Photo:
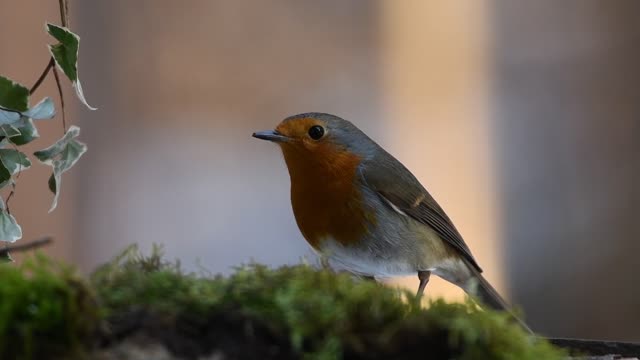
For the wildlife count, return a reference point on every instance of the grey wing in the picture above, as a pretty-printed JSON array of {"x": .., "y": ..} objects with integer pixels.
[{"x": 406, "y": 193}]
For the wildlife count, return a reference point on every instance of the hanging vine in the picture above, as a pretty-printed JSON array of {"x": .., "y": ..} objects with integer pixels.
[{"x": 18, "y": 124}]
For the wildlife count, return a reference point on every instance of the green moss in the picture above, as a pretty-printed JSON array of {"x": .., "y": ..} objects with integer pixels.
[
  {"x": 318, "y": 314},
  {"x": 46, "y": 311}
]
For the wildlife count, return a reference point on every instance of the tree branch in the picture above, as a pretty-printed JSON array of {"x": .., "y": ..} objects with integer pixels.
[{"x": 28, "y": 246}]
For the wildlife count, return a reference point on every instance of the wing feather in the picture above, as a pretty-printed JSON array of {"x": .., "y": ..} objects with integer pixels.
[{"x": 404, "y": 192}]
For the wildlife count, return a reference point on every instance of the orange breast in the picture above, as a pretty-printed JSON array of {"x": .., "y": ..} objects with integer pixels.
[{"x": 325, "y": 201}]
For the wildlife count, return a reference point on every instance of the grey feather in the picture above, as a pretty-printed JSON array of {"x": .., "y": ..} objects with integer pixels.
[{"x": 405, "y": 192}]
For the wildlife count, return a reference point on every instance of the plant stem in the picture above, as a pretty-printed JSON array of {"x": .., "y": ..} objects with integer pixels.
[
  {"x": 64, "y": 11},
  {"x": 64, "y": 116},
  {"x": 64, "y": 19},
  {"x": 44, "y": 74}
]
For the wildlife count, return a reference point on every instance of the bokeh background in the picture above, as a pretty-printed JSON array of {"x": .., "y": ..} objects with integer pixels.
[{"x": 521, "y": 118}]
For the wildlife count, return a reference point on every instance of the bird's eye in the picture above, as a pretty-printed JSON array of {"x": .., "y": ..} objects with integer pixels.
[{"x": 316, "y": 132}]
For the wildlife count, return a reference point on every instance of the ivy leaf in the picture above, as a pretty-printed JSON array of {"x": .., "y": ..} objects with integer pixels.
[
  {"x": 13, "y": 95},
  {"x": 14, "y": 98},
  {"x": 27, "y": 132},
  {"x": 47, "y": 155},
  {"x": 23, "y": 130},
  {"x": 43, "y": 110},
  {"x": 14, "y": 161},
  {"x": 11, "y": 162},
  {"x": 14, "y": 103},
  {"x": 10, "y": 231},
  {"x": 65, "y": 53},
  {"x": 5, "y": 176},
  {"x": 61, "y": 156},
  {"x": 9, "y": 116},
  {"x": 8, "y": 131}
]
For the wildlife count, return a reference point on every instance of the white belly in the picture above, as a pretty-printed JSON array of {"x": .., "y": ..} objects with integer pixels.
[{"x": 364, "y": 261}]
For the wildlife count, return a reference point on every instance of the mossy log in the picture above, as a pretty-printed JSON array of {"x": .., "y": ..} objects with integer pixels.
[{"x": 140, "y": 307}]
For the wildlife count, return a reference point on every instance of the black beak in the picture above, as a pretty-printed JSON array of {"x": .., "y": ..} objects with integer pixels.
[{"x": 271, "y": 135}]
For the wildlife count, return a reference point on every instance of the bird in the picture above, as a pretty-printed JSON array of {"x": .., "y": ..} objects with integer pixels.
[{"x": 365, "y": 212}]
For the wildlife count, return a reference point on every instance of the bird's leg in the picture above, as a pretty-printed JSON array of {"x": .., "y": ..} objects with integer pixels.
[
  {"x": 368, "y": 278},
  {"x": 324, "y": 262},
  {"x": 424, "y": 279}
]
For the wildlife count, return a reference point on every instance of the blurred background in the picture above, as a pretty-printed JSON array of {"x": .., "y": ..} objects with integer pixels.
[{"x": 521, "y": 118}]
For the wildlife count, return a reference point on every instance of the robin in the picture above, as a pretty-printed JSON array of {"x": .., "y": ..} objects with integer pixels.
[{"x": 365, "y": 212}]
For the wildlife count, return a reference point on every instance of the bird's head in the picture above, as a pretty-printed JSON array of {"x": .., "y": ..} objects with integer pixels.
[{"x": 319, "y": 139}]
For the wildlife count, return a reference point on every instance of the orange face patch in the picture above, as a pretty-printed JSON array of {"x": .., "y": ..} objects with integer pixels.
[
  {"x": 325, "y": 201},
  {"x": 297, "y": 128},
  {"x": 298, "y": 131}
]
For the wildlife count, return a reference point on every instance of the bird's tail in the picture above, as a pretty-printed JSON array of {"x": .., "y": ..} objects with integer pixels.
[{"x": 482, "y": 290}]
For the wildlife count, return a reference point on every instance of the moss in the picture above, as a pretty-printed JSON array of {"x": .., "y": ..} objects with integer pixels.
[
  {"x": 46, "y": 311},
  {"x": 294, "y": 312}
]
